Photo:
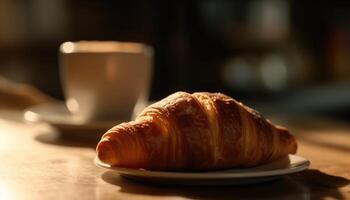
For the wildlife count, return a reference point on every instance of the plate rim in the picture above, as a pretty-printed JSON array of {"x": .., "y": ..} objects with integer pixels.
[{"x": 205, "y": 175}]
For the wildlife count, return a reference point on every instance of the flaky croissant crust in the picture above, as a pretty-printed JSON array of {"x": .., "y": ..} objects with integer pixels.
[{"x": 199, "y": 131}]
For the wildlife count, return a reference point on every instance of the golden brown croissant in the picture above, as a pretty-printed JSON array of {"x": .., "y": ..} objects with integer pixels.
[{"x": 200, "y": 131}]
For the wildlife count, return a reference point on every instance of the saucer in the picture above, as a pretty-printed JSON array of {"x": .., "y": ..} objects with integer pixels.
[{"x": 57, "y": 115}]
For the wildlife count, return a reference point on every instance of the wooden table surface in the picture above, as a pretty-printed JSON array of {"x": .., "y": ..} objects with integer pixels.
[{"x": 38, "y": 163}]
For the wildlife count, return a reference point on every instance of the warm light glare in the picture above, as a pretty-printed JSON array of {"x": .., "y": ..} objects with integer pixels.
[
  {"x": 4, "y": 192},
  {"x": 105, "y": 47},
  {"x": 30, "y": 116},
  {"x": 67, "y": 47},
  {"x": 72, "y": 105}
]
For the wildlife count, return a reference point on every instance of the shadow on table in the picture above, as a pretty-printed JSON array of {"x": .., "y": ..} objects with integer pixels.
[
  {"x": 87, "y": 140},
  {"x": 309, "y": 184}
]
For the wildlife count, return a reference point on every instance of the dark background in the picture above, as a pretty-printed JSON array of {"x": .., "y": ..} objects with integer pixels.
[{"x": 292, "y": 55}]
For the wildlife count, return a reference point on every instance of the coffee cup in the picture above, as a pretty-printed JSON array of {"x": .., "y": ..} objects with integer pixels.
[{"x": 105, "y": 80}]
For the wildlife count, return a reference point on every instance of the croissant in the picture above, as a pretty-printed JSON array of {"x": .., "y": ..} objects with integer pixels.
[{"x": 195, "y": 132}]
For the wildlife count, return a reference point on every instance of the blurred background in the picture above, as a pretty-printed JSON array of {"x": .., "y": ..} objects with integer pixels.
[{"x": 288, "y": 56}]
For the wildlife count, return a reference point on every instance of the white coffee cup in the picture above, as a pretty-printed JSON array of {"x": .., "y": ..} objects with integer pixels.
[{"x": 105, "y": 80}]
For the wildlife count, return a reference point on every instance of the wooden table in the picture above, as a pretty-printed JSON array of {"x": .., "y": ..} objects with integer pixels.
[{"x": 36, "y": 163}]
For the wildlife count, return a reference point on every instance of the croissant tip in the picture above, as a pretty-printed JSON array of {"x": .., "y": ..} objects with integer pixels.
[{"x": 106, "y": 153}]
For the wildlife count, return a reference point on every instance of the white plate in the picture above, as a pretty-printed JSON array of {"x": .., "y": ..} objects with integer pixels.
[
  {"x": 57, "y": 114},
  {"x": 262, "y": 173}
]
